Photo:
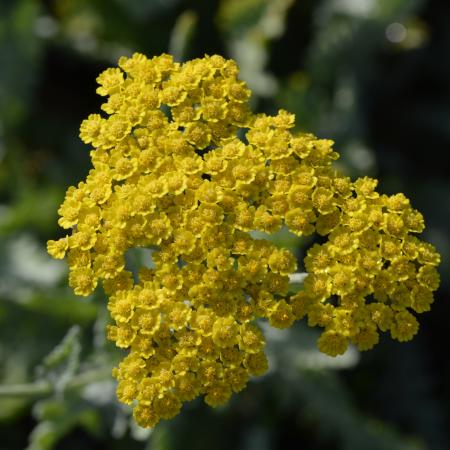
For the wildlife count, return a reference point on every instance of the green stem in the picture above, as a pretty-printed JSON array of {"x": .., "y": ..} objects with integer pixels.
[{"x": 45, "y": 388}]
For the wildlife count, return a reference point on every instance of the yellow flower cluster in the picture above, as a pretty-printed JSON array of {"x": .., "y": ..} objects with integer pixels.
[
  {"x": 370, "y": 272},
  {"x": 181, "y": 165}
]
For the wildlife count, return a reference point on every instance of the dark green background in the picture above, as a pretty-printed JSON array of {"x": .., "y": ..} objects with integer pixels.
[{"x": 387, "y": 106}]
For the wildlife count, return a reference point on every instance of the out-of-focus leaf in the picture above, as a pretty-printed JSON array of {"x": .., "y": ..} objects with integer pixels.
[
  {"x": 141, "y": 9},
  {"x": 63, "y": 361},
  {"x": 249, "y": 26},
  {"x": 45, "y": 435},
  {"x": 100, "y": 393},
  {"x": 237, "y": 16},
  {"x": 61, "y": 305},
  {"x": 339, "y": 421},
  {"x": 139, "y": 433},
  {"x": 296, "y": 348},
  {"x": 428, "y": 420},
  {"x": 182, "y": 34},
  {"x": 13, "y": 369},
  {"x": 25, "y": 262},
  {"x": 57, "y": 417},
  {"x": 19, "y": 58},
  {"x": 32, "y": 208}
]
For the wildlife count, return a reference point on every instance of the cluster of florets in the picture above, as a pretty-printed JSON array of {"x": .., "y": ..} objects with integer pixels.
[{"x": 183, "y": 167}]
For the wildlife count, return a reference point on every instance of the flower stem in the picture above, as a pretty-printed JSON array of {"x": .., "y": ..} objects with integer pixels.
[{"x": 44, "y": 388}]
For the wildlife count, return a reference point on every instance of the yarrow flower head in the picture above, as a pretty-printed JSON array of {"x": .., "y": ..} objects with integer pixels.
[{"x": 181, "y": 165}]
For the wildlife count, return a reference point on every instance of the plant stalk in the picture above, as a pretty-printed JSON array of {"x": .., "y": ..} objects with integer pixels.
[{"x": 45, "y": 388}]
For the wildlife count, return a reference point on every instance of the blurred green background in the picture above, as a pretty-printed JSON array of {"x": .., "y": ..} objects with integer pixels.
[{"x": 374, "y": 75}]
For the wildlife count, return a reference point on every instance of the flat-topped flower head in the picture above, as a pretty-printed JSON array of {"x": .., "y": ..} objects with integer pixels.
[{"x": 182, "y": 166}]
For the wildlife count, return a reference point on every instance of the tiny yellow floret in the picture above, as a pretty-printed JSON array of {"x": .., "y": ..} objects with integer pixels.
[{"x": 182, "y": 166}]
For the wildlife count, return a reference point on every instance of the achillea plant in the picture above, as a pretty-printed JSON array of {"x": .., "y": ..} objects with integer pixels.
[{"x": 181, "y": 165}]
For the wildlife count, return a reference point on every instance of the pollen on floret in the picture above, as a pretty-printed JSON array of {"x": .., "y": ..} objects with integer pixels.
[
  {"x": 281, "y": 315},
  {"x": 256, "y": 363},
  {"x": 218, "y": 394},
  {"x": 109, "y": 81},
  {"x": 225, "y": 332},
  {"x": 91, "y": 128},
  {"x": 332, "y": 343},
  {"x": 82, "y": 281},
  {"x": 366, "y": 339},
  {"x": 57, "y": 249},
  {"x": 405, "y": 326},
  {"x": 299, "y": 222}
]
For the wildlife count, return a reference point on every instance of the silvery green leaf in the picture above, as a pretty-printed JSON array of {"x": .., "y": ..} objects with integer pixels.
[{"x": 61, "y": 364}]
